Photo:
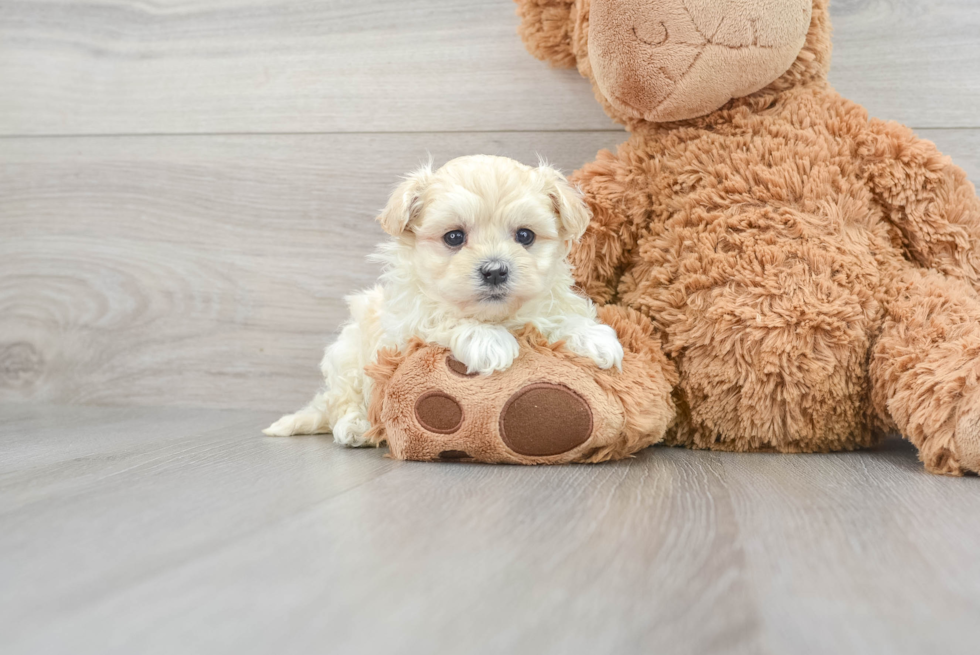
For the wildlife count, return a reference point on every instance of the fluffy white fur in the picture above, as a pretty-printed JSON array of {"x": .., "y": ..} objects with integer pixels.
[{"x": 437, "y": 292}]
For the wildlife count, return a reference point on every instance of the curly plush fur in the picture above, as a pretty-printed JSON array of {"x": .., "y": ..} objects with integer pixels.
[{"x": 813, "y": 274}]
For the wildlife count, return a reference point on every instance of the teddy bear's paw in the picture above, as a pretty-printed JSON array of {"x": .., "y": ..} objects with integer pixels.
[
  {"x": 351, "y": 430},
  {"x": 485, "y": 348},
  {"x": 305, "y": 421},
  {"x": 597, "y": 342},
  {"x": 967, "y": 437}
]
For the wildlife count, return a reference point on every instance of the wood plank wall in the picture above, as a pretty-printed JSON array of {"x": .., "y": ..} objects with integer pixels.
[{"x": 187, "y": 189}]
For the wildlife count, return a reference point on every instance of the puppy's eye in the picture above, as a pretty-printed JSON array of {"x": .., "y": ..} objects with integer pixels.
[
  {"x": 524, "y": 236},
  {"x": 455, "y": 238}
]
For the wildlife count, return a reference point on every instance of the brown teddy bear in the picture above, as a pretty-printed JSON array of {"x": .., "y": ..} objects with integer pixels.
[{"x": 803, "y": 278}]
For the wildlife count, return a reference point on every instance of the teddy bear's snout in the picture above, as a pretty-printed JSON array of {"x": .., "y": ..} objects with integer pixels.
[{"x": 676, "y": 59}]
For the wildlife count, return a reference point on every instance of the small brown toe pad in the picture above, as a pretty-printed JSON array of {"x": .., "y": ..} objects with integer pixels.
[{"x": 438, "y": 412}]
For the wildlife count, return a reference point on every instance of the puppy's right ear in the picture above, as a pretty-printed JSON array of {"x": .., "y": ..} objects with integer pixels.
[{"x": 405, "y": 203}]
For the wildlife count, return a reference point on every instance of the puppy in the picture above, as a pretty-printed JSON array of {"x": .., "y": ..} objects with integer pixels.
[{"x": 478, "y": 251}]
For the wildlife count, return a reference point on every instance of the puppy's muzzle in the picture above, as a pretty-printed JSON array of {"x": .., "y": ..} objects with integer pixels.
[{"x": 494, "y": 274}]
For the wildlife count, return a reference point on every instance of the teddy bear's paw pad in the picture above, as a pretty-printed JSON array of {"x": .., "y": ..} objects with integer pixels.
[
  {"x": 458, "y": 367},
  {"x": 454, "y": 456},
  {"x": 439, "y": 412},
  {"x": 545, "y": 419}
]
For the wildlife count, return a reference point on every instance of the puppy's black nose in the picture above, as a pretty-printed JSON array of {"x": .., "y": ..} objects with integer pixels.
[{"x": 494, "y": 273}]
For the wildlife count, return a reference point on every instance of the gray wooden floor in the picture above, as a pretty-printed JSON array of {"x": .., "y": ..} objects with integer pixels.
[
  {"x": 135, "y": 530},
  {"x": 187, "y": 191}
]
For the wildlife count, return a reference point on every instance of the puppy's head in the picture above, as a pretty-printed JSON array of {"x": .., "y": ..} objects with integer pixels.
[{"x": 485, "y": 235}]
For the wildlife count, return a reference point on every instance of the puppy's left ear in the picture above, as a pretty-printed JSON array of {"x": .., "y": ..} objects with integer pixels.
[
  {"x": 573, "y": 214},
  {"x": 405, "y": 203}
]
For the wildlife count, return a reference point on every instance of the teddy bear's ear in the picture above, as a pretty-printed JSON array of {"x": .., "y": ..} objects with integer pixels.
[
  {"x": 546, "y": 29},
  {"x": 573, "y": 214},
  {"x": 405, "y": 203}
]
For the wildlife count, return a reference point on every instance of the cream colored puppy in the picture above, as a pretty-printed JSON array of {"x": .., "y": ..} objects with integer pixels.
[{"x": 478, "y": 251}]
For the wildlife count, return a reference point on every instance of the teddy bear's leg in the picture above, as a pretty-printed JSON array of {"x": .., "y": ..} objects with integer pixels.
[
  {"x": 552, "y": 406},
  {"x": 644, "y": 386},
  {"x": 925, "y": 369},
  {"x": 928, "y": 198}
]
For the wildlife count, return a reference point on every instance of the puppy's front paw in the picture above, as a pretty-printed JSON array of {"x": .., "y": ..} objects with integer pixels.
[
  {"x": 597, "y": 342},
  {"x": 485, "y": 349}
]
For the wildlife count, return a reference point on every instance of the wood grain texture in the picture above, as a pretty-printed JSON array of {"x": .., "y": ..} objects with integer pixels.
[
  {"x": 913, "y": 61},
  {"x": 860, "y": 552},
  {"x": 278, "y": 66},
  {"x": 132, "y": 67},
  {"x": 199, "y": 271},
  {"x": 155, "y": 530}
]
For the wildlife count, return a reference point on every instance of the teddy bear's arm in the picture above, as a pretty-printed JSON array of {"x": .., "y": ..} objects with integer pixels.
[
  {"x": 547, "y": 30},
  {"x": 599, "y": 258},
  {"x": 928, "y": 198}
]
